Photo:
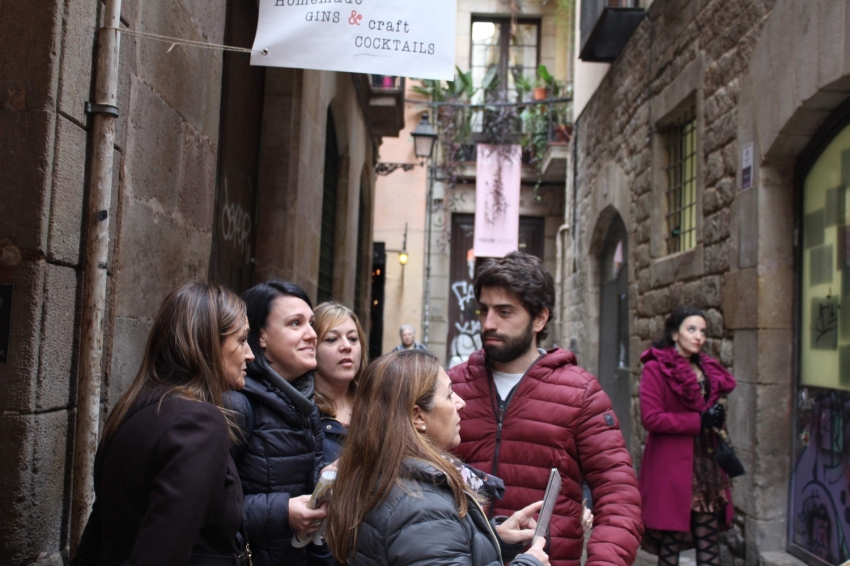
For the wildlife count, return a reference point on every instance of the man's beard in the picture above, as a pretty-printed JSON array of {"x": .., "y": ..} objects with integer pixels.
[{"x": 511, "y": 348}]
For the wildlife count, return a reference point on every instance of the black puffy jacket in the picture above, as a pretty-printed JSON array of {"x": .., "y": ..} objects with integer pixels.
[
  {"x": 335, "y": 433},
  {"x": 418, "y": 523},
  {"x": 279, "y": 458}
]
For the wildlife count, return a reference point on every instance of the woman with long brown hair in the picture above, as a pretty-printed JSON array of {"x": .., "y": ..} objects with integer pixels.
[
  {"x": 167, "y": 491},
  {"x": 400, "y": 497},
  {"x": 340, "y": 361}
]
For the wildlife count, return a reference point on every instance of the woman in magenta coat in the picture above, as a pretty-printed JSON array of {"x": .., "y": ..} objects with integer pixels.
[{"x": 685, "y": 495}]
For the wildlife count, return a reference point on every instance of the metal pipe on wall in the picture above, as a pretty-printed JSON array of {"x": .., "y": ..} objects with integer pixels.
[
  {"x": 426, "y": 299},
  {"x": 558, "y": 315},
  {"x": 95, "y": 269}
]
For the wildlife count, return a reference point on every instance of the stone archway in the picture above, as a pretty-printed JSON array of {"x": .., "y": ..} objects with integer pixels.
[{"x": 610, "y": 198}]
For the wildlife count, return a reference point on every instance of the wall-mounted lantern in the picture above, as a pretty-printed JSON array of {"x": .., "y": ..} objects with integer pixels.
[{"x": 424, "y": 137}]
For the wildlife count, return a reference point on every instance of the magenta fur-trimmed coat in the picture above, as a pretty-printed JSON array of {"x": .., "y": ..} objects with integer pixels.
[{"x": 670, "y": 404}]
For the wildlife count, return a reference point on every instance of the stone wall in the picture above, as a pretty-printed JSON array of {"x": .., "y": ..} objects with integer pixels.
[
  {"x": 292, "y": 158},
  {"x": 771, "y": 73},
  {"x": 163, "y": 218},
  {"x": 168, "y": 147},
  {"x": 696, "y": 52},
  {"x": 163, "y": 199}
]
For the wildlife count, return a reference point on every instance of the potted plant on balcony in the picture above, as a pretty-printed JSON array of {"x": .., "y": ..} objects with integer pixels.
[{"x": 562, "y": 132}]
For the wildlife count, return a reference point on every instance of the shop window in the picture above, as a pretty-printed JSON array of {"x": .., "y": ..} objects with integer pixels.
[
  {"x": 681, "y": 142},
  {"x": 825, "y": 348},
  {"x": 819, "y": 518}
]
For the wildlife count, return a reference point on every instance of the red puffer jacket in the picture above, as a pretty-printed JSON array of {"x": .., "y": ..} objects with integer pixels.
[{"x": 557, "y": 417}]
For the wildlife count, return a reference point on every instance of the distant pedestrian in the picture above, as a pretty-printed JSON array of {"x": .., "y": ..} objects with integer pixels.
[
  {"x": 281, "y": 455},
  {"x": 686, "y": 495},
  {"x": 167, "y": 491},
  {"x": 408, "y": 339},
  {"x": 400, "y": 499},
  {"x": 341, "y": 360}
]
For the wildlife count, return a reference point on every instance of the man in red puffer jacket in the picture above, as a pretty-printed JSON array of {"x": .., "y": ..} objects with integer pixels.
[{"x": 528, "y": 411}]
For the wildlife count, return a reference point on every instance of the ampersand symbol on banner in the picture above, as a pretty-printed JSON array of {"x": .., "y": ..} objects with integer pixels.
[{"x": 355, "y": 18}]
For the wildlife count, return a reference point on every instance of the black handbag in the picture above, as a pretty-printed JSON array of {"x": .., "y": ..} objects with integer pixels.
[{"x": 725, "y": 457}]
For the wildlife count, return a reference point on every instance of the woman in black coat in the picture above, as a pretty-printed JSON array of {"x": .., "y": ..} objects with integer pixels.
[
  {"x": 167, "y": 491},
  {"x": 281, "y": 450},
  {"x": 399, "y": 497}
]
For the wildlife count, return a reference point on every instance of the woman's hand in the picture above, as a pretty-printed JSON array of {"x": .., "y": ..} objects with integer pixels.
[
  {"x": 520, "y": 526},
  {"x": 713, "y": 417},
  {"x": 303, "y": 519},
  {"x": 536, "y": 551}
]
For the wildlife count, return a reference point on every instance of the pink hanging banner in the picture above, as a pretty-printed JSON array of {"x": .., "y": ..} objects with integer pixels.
[{"x": 498, "y": 176}]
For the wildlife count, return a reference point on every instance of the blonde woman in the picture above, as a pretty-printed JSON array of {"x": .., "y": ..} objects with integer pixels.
[{"x": 340, "y": 361}]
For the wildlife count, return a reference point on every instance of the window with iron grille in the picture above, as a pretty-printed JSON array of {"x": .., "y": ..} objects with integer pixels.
[
  {"x": 328, "y": 234},
  {"x": 513, "y": 50},
  {"x": 681, "y": 140}
]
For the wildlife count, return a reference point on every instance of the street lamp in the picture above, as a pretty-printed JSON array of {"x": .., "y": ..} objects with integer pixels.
[
  {"x": 402, "y": 253},
  {"x": 424, "y": 137}
]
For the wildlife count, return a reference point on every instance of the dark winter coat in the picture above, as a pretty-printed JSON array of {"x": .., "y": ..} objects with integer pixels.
[
  {"x": 670, "y": 405},
  {"x": 418, "y": 523},
  {"x": 335, "y": 433},
  {"x": 279, "y": 458},
  {"x": 557, "y": 416},
  {"x": 167, "y": 491}
]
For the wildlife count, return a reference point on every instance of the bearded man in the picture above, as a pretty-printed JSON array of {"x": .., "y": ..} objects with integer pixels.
[{"x": 528, "y": 410}]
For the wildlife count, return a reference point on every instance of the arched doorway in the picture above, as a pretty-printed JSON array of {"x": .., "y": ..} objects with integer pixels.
[{"x": 614, "y": 373}]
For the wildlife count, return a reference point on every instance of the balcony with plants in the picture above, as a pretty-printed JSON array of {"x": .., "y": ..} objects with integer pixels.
[{"x": 533, "y": 112}]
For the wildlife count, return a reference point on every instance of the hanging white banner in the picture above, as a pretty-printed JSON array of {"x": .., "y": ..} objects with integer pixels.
[
  {"x": 497, "y": 182},
  {"x": 405, "y": 38}
]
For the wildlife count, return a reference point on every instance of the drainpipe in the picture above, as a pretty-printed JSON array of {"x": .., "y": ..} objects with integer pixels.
[
  {"x": 559, "y": 282},
  {"x": 426, "y": 300},
  {"x": 96, "y": 261}
]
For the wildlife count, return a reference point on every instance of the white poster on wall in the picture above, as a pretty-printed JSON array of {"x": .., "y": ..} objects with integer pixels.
[{"x": 406, "y": 38}]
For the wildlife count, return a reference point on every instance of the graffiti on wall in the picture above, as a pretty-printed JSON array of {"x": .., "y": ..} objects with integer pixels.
[
  {"x": 820, "y": 489},
  {"x": 467, "y": 338},
  {"x": 235, "y": 224}
]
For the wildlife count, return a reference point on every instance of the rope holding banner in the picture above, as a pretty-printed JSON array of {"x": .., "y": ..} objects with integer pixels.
[{"x": 177, "y": 41}]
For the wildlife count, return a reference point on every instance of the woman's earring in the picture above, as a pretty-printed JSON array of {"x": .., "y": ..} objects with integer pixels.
[{"x": 422, "y": 429}]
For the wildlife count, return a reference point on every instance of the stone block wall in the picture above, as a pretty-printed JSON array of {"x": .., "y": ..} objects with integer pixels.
[
  {"x": 697, "y": 52},
  {"x": 161, "y": 226}
]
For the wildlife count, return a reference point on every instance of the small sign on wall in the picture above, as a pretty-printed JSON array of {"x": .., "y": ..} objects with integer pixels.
[
  {"x": 747, "y": 167},
  {"x": 5, "y": 320}
]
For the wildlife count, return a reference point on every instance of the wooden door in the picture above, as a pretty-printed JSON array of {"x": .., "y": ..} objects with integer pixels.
[{"x": 614, "y": 372}]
